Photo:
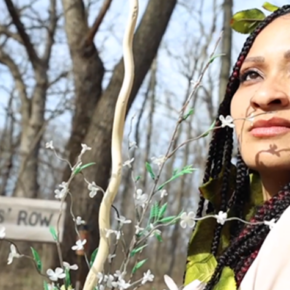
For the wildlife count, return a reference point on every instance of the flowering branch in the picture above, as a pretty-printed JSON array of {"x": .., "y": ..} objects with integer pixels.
[
  {"x": 117, "y": 138},
  {"x": 180, "y": 120}
]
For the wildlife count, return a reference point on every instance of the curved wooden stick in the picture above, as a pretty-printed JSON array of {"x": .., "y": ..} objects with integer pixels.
[{"x": 117, "y": 138}]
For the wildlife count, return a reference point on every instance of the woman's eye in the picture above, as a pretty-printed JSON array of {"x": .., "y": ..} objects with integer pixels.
[{"x": 249, "y": 76}]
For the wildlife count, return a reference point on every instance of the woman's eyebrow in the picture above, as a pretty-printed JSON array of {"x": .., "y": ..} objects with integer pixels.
[
  {"x": 260, "y": 59},
  {"x": 257, "y": 59}
]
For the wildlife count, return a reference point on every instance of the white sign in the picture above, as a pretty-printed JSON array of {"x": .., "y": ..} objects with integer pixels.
[{"x": 30, "y": 219}]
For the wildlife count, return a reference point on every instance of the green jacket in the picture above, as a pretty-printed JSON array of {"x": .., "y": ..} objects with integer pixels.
[{"x": 200, "y": 262}]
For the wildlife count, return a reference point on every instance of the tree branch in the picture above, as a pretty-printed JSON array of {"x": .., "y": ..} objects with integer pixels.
[
  {"x": 63, "y": 74},
  {"x": 22, "y": 33},
  {"x": 50, "y": 31},
  {"x": 19, "y": 83},
  {"x": 92, "y": 32},
  {"x": 5, "y": 31}
]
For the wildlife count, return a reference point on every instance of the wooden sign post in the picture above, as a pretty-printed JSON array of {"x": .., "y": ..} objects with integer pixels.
[{"x": 29, "y": 219}]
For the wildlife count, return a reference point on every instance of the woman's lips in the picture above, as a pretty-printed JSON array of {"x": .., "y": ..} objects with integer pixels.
[
  {"x": 270, "y": 128},
  {"x": 269, "y": 131}
]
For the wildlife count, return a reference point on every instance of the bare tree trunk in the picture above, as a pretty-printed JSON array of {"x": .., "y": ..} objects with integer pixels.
[
  {"x": 32, "y": 110},
  {"x": 88, "y": 72},
  {"x": 226, "y": 48},
  {"x": 32, "y": 131},
  {"x": 7, "y": 148}
]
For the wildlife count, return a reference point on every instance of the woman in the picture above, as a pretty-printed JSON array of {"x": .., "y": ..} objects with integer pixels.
[{"x": 235, "y": 255}]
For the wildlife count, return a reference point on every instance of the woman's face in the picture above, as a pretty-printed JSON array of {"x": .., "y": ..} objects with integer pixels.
[{"x": 265, "y": 91}]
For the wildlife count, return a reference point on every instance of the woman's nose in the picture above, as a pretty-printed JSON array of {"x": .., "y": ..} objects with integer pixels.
[{"x": 269, "y": 97}]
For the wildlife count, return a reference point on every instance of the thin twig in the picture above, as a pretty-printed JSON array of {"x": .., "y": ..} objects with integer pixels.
[
  {"x": 180, "y": 120},
  {"x": 24, "y": 36},
  {"x": 94, "y": 29}
]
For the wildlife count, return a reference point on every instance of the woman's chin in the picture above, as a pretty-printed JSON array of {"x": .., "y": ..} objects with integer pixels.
[{"x": 272, "y": 163}]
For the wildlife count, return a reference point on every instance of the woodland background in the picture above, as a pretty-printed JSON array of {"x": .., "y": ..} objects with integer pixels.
[{"x": 60, "y": 74}]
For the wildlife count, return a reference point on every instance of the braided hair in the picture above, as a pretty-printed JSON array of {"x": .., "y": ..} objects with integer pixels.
[{"x": 246, "y": 240}]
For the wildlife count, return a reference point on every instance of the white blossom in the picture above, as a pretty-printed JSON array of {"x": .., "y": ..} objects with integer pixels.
[
  {"x": 70, "y": 267},
  {"x": 93, "y": 188},
  {"x": 163, "y": 193},
  {"x": 158, "y": 160},
  {"x": 138, "y": 230},
  {"x": 109, "y": 232},
  {"x": 79, "y": 245},
  {"x": 128, "y": 163},
  {"x": 79, "y": 221},
  {"x": 187, "y": 220},
  {"x": 140, "y": 198},
  {"x": 122, "y": 220},
  {"x": 13, "y": 254},
  {"x": 100, "y": 277},
  {"x": 60, "y": 194},
  {"x": 194, "y": 285},
  {"x": 55, "y": 275},
  {"x": 85, "y": 148},
  {"x": 221, "y": 217},
  {"x": 118, "y": 274},
  {"x": 148, "y": 276},
  {"x": 49, "y": 145},
  {"x": 133, "y": 145},
  {"x": 109, "y": 281},
  {"x": 121, "y": 284},
  {"x": 2, "y": 232},
  {"x": 228, "y": 121},
  {"x": 111, "y": 257},
  {"x": 154, "y": 232},
  {"x": 270, "y": 223}
]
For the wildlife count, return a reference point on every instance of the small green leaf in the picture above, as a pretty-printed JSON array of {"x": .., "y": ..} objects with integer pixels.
[
  {"x": 185, "y": 170},
  {"x": 150, "y": 170},
  {"x": 168, "y": 219},
  {"x": 137, "y": 178},
  {"x": 80, "y": 168},
  {"x": 93, "y": 256},
  {"x": 208, "y": 130},
  {"x": 189, "y": 113},
  {"x": 247, "y": 20},
  {"x": 270, "y": 7},
  {"x": 154, "y": 211},
  {"x": 138, "y": 265},
  {"x": 215, "y": 56},
  {"x": 162, "y": 210},
  {"x": 137, "y": 250},
  {"x": 53, "y": 233},
  {"x": 36, "y": 259},
  {"x": 158, "y": 237},
  {"x": 67, "y": 279},
  {"x": 45, "y": 285}
]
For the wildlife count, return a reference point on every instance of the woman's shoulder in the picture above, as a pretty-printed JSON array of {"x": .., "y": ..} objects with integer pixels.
[{"x": 271, "y": 268}]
